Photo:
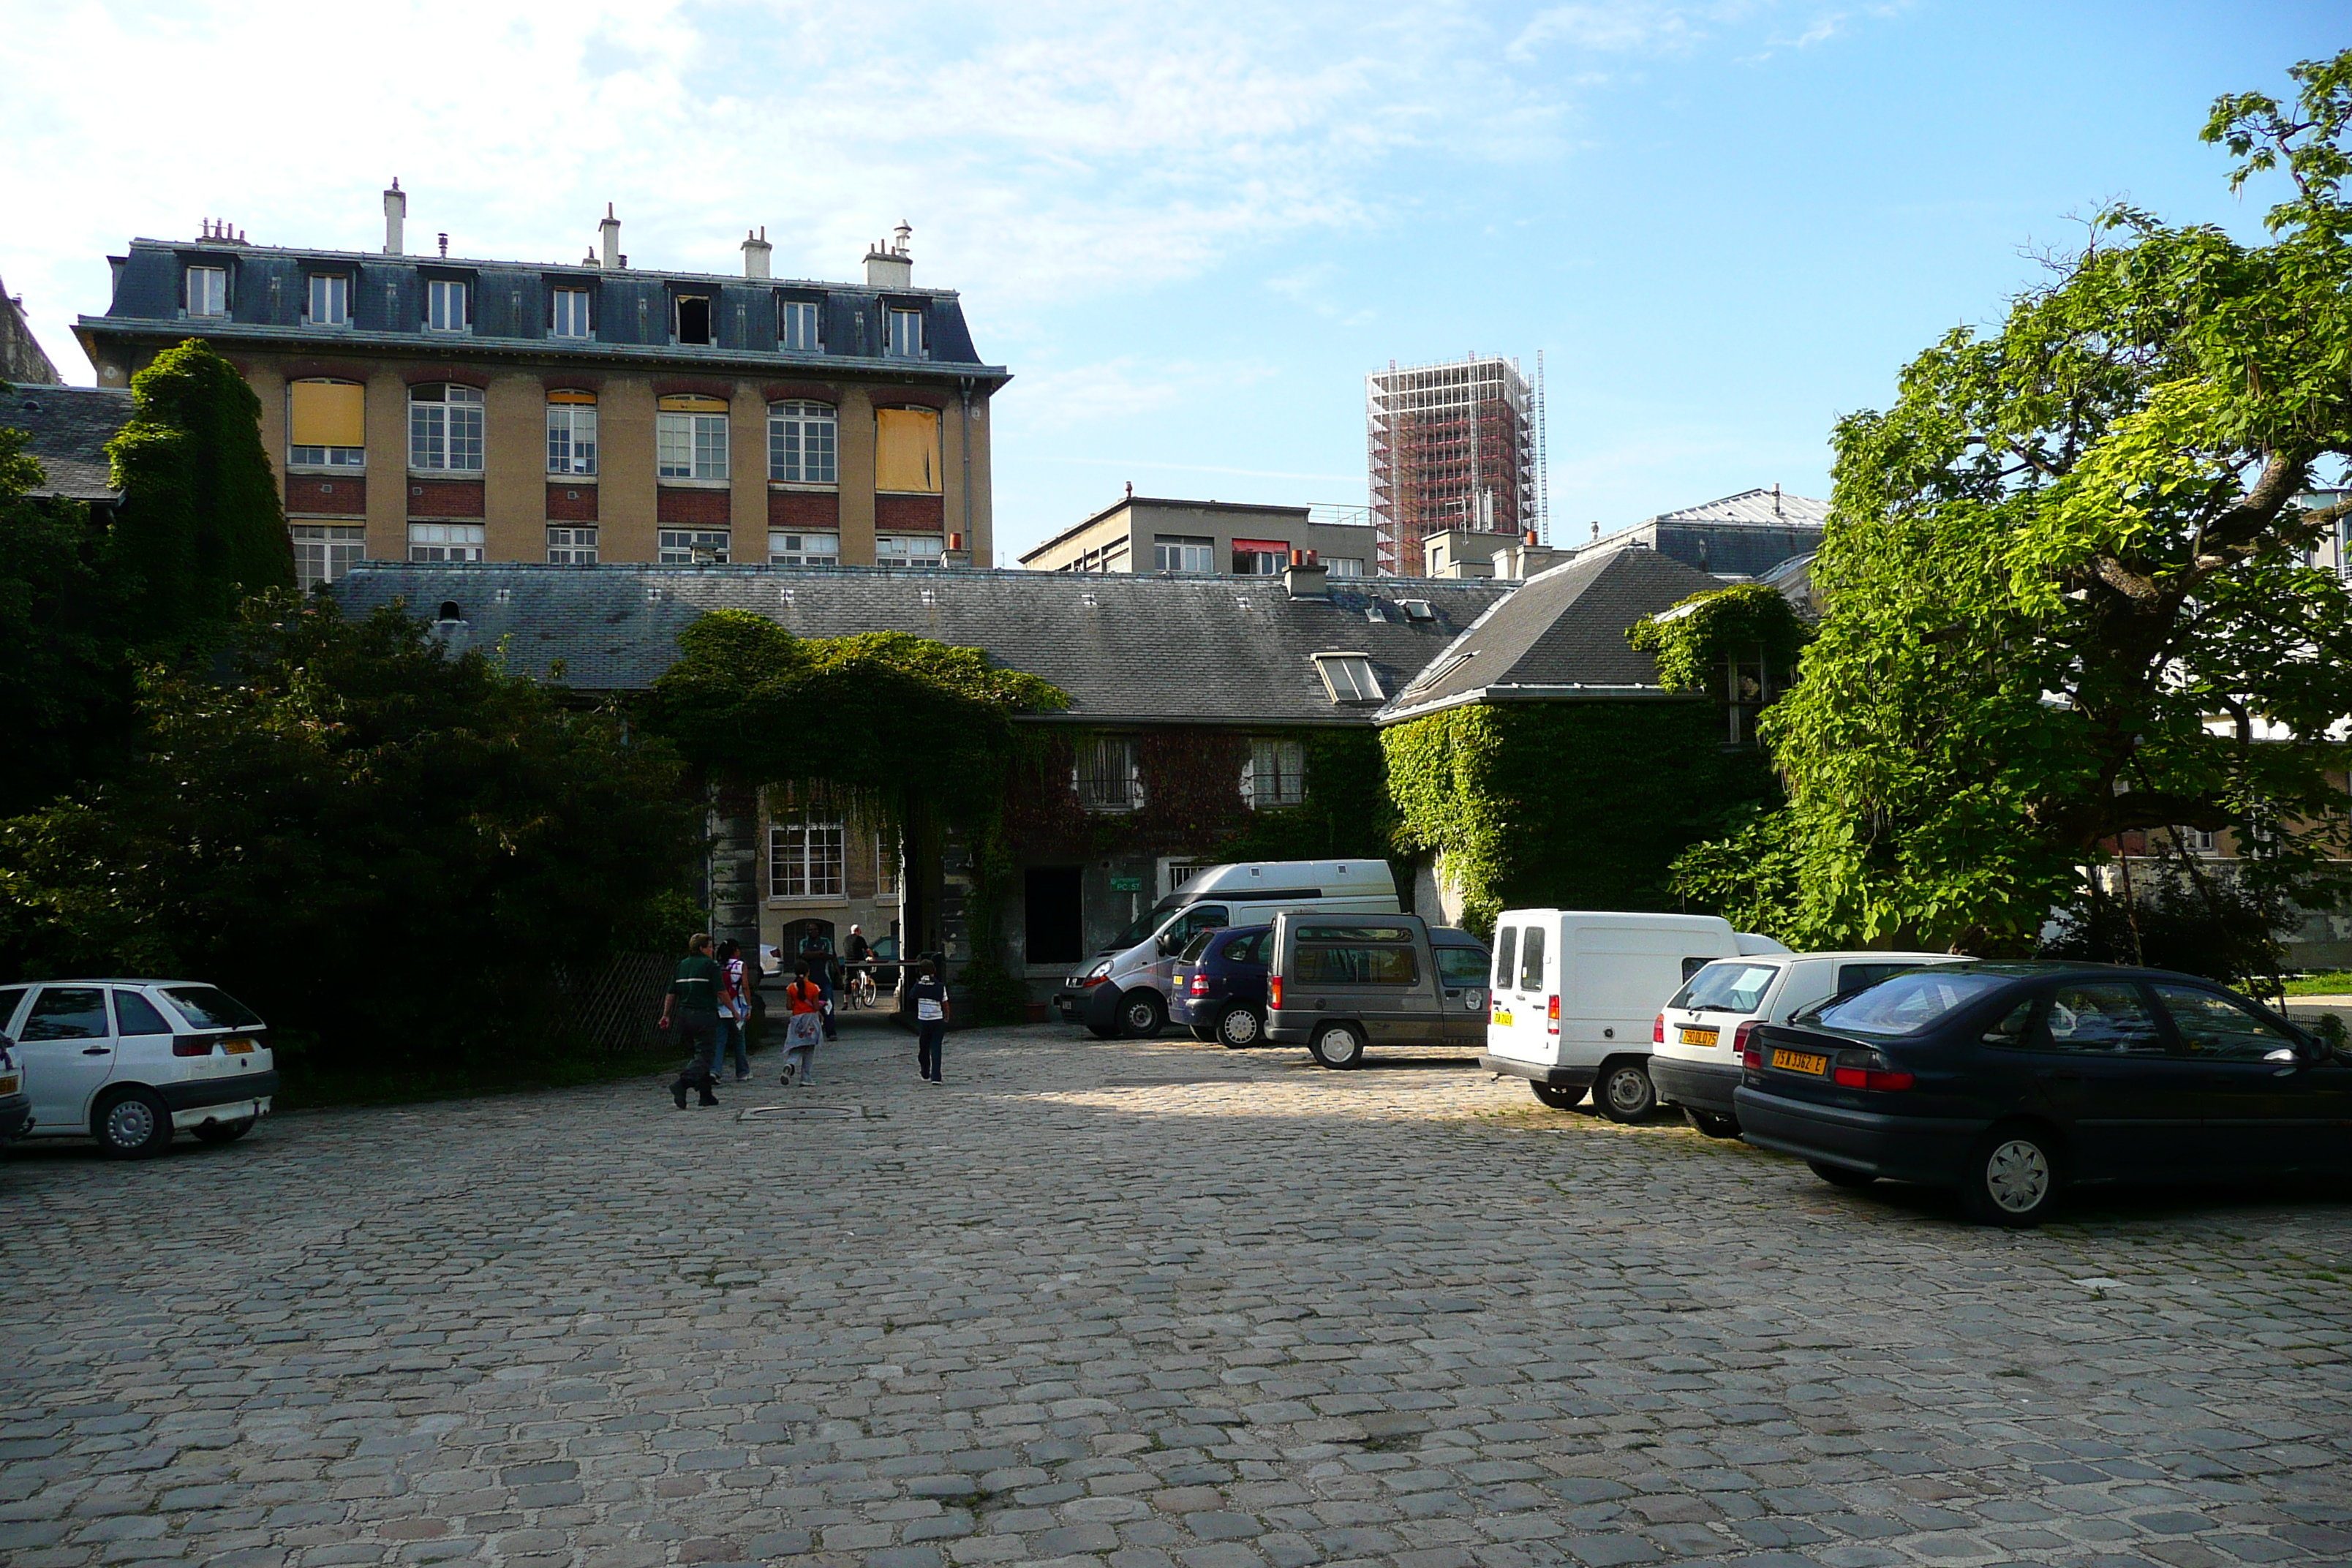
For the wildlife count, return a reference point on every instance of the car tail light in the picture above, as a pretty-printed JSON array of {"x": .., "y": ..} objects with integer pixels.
[
  {"x": 1740, "y": 1040},
  {"x": 1553, "y": 1015},
  {"x": 192, "y": 1045},
  {"x": 1751, "y": 1058},
  {"x": 1273, "y": 993},
  {"x": 1658, "y": 1031},
  {"x": 1871, "y": 1078}
]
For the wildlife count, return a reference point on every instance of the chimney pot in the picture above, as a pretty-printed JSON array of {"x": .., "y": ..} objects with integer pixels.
[
  {"x": 445, "y": 244},
  {"x": 756, "y": 252},
  {"x": 610, "y": 231},
  {"x": 395, "y": 217}
]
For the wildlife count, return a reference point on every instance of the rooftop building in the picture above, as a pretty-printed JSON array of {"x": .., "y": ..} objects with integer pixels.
[
  {"x": 1148, "y": 533},
  {"x": 1450, "y": 447}
]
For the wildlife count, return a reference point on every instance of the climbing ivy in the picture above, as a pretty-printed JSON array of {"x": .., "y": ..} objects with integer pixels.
[
  {"x": 1570, "y": 804},
  {"x": 1693, "y": 640}
]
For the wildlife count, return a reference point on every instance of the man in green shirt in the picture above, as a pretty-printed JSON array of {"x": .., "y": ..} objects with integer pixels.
[{"x": 693, "y": 1000}]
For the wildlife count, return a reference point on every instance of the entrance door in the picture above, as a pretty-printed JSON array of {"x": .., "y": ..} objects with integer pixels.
[
  {"x": 67, "y": 1048},
  {"x": 1053, "y": 926}
]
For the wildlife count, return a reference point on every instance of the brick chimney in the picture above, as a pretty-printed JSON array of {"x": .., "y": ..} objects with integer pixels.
[
  {"x": 756, "y": 251},
  {"x": 396, "y": 216}
]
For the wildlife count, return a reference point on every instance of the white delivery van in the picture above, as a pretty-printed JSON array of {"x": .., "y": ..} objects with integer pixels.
[
  {"x": 1576, "y": 994},
  {"x": 1125, "y": 990},
  {"x": 1695, "y": 1043}
]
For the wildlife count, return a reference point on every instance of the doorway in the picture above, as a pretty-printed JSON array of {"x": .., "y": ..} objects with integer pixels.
[{"x": 1056, "y": 934}]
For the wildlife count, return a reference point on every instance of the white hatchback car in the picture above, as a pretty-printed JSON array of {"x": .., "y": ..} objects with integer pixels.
[
  {"x": 131, "y": 1062},
  {"x": 1695, "y": 1045}
]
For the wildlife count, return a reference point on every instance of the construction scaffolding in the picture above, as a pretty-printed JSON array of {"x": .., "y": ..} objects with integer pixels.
[{"x": 1450, "y": 445}]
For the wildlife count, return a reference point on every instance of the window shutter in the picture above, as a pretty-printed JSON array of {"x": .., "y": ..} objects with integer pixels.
[{"x": 328, "y": 413}]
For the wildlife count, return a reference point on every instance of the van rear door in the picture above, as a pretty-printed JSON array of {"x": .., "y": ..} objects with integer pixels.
[{"x": 1521, "y": 1027}]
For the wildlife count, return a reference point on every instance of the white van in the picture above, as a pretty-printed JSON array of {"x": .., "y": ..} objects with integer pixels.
[
  {"x": 1125, "y": 990},
  {"x": 1577, "y": 994},
  {"x": 1696, "y": 1042}
]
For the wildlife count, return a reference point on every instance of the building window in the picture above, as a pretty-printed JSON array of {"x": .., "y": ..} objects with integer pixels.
[
  {"x": 692, "y": 547},
  {"x": 331, "y": 300},
  {"x": 445, "y": 542},
  {"x": 691, "y": 437},
  {"x": 1349, "y": 677},
  {"x": 1105, "y": 775},
  {"x": 907, "y": 450},
  {"x": 2196, "y": 841},
  {"x": 805, "y": 861},
  {"x": 208, "y": 290},
  {"x": 909, "y": 550},
  {"x": 693, "y": 319},
  {"x": 905, "y": 339},
  {"x": 804, "y": 549},
  {"x": 323, "y": 552},
  {"x": 571, "y": 544},
  {"x": 444, "y": 306},
  {"x": 326, "y": 424},
  {"x": 796, "y": 327},
  {"x": 1173, "y": 552},
  {"x": 1275, "y": 775},
  {"x": 571, "y": 432},
  {"x": 1260, "y": 557},
  {"x": 886, "y": 853},
  {"x": 1344, "y": 565},
  {"x": 568, "y": 318},
  {"x": 445, "y": 429},
  {"x": 801, "y": 443}
]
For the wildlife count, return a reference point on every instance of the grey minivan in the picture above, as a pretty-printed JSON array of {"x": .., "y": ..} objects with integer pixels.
[{"x": 1342, "y": 983}]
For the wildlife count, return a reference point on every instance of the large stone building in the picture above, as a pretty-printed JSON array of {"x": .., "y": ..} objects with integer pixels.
[
  {"x": 433, "y": 408},
  {"x": 21, "y": 359}
]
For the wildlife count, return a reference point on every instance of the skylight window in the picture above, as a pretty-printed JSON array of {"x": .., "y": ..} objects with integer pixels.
[{"x": 1349, "y": 677}]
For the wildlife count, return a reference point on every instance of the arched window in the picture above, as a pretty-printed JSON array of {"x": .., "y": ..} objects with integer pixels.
[
  {"x": 571, "y": 432},
  {"x": 801, "y": 443},
  {"x": 691, "y": 437},
  {"x": 445, "y": 429},
  {"x": 326, "y": 423}
]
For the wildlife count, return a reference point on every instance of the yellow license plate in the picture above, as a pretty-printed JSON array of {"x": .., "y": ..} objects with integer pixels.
[
  {"x": 1800, "y": 1061},
  {"x": 237, "y": 1047},
  {"x": 1699, "y": 1037},
  {"x": 8, "y": 1084},
  {"x": 1502, "y": 1018}
]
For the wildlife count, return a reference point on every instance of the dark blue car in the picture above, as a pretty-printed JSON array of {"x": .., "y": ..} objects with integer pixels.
[
  {"x": 2009, "y": 1081},
  {"x": 1219, "y": 988}
]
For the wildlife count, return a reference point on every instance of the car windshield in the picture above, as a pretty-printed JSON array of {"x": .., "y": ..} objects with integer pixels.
[
  {"x": 1904, "y": 1004},
  {"x": 208, "y": 1008},
  {"x": 1145, "y": 926},
  {"x": 1729, "y": 986},
  {"x": 1198, "y": 945}
]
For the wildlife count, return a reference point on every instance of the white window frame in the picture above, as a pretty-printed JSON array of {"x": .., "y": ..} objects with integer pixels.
[
  {"x": 449, "y": 305},
  {"x": 677, "y": 546},
  {"x": 803, "y": 444},
  {"x": 572, "y": 545},
  {"x": 331, "y": 300},
  {"x": 570, "y": 314},
  {"x": 1263, "y": 563},
  {"x": 1349, "y": 676},
  {"x": 572, "y": 439},
  {"x": 803, "y": 547},
  {"x": 323, "y": 552},
  {"x": 799, "y": 327},
  {"x": 690, "y": 445},
  {"x": 1183, "y": 552},
  {"x": 445, "y": 434},
  {"x": 904, "y": 327},
  {"x": 1106, "y": 774},
  {"x": 205, "y": 291},
  {"x": 1344, "y": 566},
  {"x": 1275, "y": 775},
  {"x": 445, "y": 542},
  {"x": 912, "y": 550},
  {"x": 807, "y": 861}
]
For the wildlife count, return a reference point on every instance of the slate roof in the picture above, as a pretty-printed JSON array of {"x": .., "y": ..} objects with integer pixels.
[
  {"x": 1562, "y": 636},
  {"x": 1769, "y": 508},
  {"x": 1743, "y": 535},
  {"x": 68, "y": 428},
  {"x": 1141, "y": 649}
]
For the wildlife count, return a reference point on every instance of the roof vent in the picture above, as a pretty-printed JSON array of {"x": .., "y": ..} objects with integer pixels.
[
  {"x": 785, "y": 595},
  {"x": 504, "y": 595},
  {"x": 1375, "y": 611},
  {"x": 450, "y": 612},
  {"x": 1417, "y": 609}
]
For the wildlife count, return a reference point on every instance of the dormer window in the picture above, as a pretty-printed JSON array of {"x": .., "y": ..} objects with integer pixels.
[
  {"x": 208, "y": 290},
  {"x": 446, "y": 307},
  {"x": 1349, "y": 677},
  {"x": 693, "y": 323},
  {"x": 567, "y": 313},
  {"x": 331, "y": 300},
  {"x": 797, "y": 328},
  {"x": 906, "y": 339}
]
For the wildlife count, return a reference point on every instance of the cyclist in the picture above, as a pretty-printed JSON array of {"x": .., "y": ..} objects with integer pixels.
[{"x": 855, "y": 953}]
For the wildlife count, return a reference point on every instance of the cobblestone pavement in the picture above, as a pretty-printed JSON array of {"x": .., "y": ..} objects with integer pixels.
[{"x": 1151, "y": 1306}]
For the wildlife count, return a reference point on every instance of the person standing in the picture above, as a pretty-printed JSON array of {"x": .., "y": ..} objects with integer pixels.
[
  {"x": 804, "y": 1030},
  {"x": 692, "y": 1005},
  {"x": 817, "y": 955},
  {"x": 930, "y": 995},
  {"x": 855, "y": 953},
  {"x": 734, "y": 1008}
]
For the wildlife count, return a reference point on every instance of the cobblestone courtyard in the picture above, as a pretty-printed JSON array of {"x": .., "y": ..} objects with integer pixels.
[{"x": 1144, "y": 1305}]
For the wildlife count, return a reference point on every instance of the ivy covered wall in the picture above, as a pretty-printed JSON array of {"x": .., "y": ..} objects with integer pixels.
[{"x": 1567, "y": 805}]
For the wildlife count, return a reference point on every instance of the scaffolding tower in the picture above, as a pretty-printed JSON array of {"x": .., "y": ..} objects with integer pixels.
[{"x": 1452, "y": 445}]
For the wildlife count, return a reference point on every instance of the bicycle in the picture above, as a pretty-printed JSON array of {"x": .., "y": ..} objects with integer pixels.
[{"x": 861, "y": 988}]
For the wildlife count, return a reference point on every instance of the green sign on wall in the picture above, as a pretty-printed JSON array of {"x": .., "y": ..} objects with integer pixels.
[{"x": 1126, "y": 884}]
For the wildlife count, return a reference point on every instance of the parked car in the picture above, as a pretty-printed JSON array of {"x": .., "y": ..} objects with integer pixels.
[
  {"x": 1340, "y": 984},
  {"x": 1218, "y": 990},
  {"x": 2011, "y": 1082},
  {"x": 15, "y": 1105},
  {"x": 130, "y": 1062},
  {"x": 1127, "y": 989},
  {"x": 1576, "y": 994},
  {"x": 1695, "y": 1045}
]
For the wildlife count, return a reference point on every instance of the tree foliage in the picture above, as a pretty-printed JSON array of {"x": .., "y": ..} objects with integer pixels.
[
  {"x": 2066, "y": 586},
  {"x": 64, "y": 687},
  {"x": 382, "y": 847},
  {"x": 1693, "y": 640}
]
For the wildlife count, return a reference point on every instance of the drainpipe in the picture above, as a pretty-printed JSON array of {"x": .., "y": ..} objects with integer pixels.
[{"x": 968, "y": 539}]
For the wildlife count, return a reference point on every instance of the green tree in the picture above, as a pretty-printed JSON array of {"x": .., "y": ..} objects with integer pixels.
[
  {"x": 65, "y": 689},
  {"x": 377, "y": 844},
  {"x": 2066, "y": 586}
]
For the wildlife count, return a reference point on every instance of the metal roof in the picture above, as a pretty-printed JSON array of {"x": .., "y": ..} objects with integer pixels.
[{"x": 68, "y": 429}]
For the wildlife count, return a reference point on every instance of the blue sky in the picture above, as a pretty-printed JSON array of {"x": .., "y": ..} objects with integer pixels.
[{"x": 1190, "y": 229}]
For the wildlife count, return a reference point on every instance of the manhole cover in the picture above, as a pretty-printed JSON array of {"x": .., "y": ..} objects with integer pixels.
[{"x": 789, "y": 1112}]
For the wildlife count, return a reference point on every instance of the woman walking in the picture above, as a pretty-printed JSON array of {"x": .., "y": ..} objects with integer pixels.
[
  {"x": 805, "y": 1029},
  {"x": 734, "y": 1008}
]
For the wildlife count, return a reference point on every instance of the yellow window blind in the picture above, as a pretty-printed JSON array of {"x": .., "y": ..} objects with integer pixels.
[
  {"x": 692, "y": 403},
  {"x": 906, "y": 450},
  {"x": 567, "y": 396},
  {"x": 328, "y": 414}
]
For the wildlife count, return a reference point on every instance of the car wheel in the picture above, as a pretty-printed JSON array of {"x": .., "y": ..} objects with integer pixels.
[
  {"x": 2011, "y": 1178},
  {"x": 131, "y": 1124},
  {"x": 1240, "y": 1027},
  {"x": 1839, "y": 1175},
  {"x": 1713, "y": 1124},
  {"x": 1337, "y": 1045},
  {"x": 1624, "y": 1092},
  {"x": 1141, "y": 1015},
  {"x": 224, "y": 1132},
  {"x": 1559, "y": 1097}
]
